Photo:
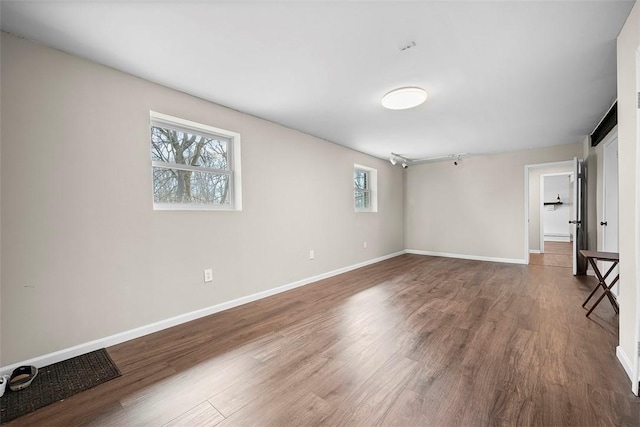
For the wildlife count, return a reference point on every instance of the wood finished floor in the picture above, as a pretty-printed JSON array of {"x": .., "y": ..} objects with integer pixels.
[
  {"x": 414, "y": 340},
  {"x": 556, "y": 254}
]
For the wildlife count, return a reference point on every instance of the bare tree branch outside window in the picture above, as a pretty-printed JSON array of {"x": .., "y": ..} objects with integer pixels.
[
  {"x": 361, "y": 189},
  {"x": 190, "y": 168}
]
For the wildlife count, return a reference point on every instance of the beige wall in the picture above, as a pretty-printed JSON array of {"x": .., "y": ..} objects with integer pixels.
[
  {"x": 475, "y": 209},
  {"x": 534, "y": 201},
  {"x": 628, "y": 45},
  {"x": 84, "y": 256}
]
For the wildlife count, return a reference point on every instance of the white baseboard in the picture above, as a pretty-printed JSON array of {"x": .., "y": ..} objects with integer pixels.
[
  {"x": 626, "y": 363},
  {"x": 557, "y": 238},
  {"x": 534, "y": 251},
  {"x": 121, "y": 337},
  {"x": 462, "y": 256}
]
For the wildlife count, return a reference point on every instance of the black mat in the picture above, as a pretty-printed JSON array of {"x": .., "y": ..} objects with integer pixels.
[{"x": 57, "y": 382}]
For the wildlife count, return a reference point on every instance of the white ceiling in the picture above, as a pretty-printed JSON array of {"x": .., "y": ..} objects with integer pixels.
[{"x": 501, "y": 76}]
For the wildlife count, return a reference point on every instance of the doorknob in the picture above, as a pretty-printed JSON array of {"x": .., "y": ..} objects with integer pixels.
[
  {"x": 603, "y": 223},
  {"x": 575, "y": 222}
]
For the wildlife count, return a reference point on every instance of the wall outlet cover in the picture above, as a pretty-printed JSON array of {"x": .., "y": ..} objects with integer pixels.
[{"x": 208, "y": 275}]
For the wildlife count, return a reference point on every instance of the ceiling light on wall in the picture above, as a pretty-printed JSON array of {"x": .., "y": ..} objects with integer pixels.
[
  {"x": 404, "y": 98},
  {"x": 393, "y": 160}
]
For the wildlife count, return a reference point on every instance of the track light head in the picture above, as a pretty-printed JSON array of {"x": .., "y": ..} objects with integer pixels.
[{"x": 395, "y": 158}]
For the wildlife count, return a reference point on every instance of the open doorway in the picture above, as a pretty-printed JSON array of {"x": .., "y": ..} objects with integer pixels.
[
  {"x": 550, "y": 210},
  {"x": 556, "y": 210}
]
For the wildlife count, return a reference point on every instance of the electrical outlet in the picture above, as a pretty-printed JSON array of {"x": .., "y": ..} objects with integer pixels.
[
  {"x": 312, "y": 254},
  {"x": 208, "y": 275},
  {"x": 364, "y": 245}
]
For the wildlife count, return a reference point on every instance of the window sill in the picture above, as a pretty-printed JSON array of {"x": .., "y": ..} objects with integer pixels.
[{"x": 188, "y": 207}]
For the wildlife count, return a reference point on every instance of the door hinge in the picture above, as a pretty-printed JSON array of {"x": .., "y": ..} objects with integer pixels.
[{"x": 638, "y": 100}]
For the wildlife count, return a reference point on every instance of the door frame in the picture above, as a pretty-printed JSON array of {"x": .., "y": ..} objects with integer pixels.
[
  {"x": 613, "y": 136},
  {"x": 635, "y": 368},
  {"x": 527, "y": 170}
]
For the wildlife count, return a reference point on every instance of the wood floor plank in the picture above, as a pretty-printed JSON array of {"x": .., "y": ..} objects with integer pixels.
[
  {"x": 305, "y": 409},
  {"x": 371, "y": 403},
  {"x": 413, "y": 340},
  {"x": 515, "y": 400},
  {"x": 556, "y": 254},
  {"x": 277, "y": 381},
  {"x": 165, "y": 400},
  {"x": 203, "y": 415},
  {"x": 408, "y": 409},
  {"x": 356, "y": 371}
]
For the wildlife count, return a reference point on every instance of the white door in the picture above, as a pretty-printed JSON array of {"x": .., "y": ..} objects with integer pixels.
[{"x": 609, "y": 221}]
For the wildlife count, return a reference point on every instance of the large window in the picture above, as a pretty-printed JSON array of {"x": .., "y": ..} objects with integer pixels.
[
  {"x": 195, "y": 166},
  {"x": 365, "y": 188}
]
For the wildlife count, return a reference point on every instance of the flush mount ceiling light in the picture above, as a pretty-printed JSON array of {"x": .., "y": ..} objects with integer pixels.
[{"x": 404, "y": 98}]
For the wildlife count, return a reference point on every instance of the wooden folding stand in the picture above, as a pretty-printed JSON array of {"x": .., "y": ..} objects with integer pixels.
[{"x": 592, "y": 257}]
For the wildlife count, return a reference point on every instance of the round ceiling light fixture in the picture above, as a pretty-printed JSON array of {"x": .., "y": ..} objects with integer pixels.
[{"x": 404, "y": 98}]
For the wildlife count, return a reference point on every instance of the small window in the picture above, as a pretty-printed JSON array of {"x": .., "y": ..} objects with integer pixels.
[
  {"x": 195, "y": 166},
  {"x": 365, "y": 189}
]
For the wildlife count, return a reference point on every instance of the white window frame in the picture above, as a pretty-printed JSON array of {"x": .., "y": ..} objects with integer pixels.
[
  {"x": 373, "y": 188},
  {"x": 234, "y": 172}
]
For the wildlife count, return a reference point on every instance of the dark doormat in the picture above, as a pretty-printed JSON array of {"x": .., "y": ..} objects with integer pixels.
[{"x": 57, "y": 382}]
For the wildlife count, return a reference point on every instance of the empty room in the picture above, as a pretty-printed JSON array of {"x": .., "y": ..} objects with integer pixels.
[{"x": 300, "y": 213}]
